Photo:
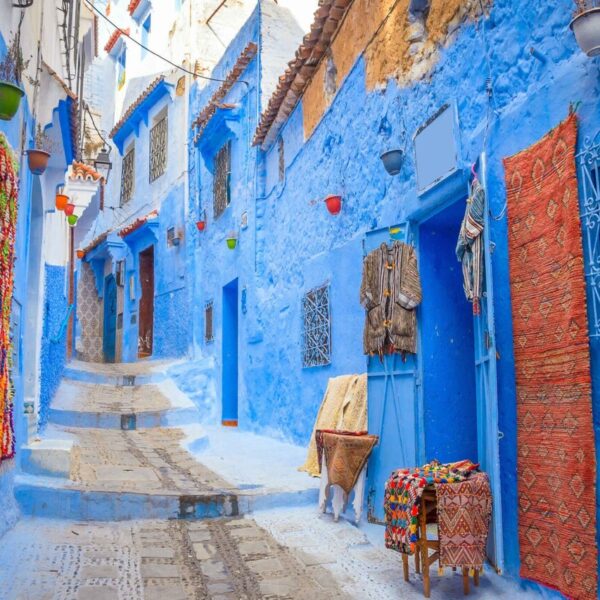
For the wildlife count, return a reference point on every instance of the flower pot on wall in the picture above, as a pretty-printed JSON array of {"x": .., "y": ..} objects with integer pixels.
[
  {"x": 37, "y": 161},
  {"x": 232, "y": 240},
  {"x": 69, "y": 209},
  {"x": 80, "y": 254},
  {"x": 201, "y": 225},
  {"x": 334, "y": 204},
  {"x": 61, "y": 201},
  {"x": 392, "y": 161},
  {"x": 10, "y": 99},
  {"x": 72, "y": 220},
  {"x": 586, "y": 27}
]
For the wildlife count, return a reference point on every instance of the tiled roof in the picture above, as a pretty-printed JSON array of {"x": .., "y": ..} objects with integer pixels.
[
  {"x": 293, "y": 82},
  {"x": 135, "y": 104},
  {"x": 95, "y": 243},
  {"x": 133, "y": 5},
  {"x": 112, "y": 40},
  {"x": 84, "y": 172},
  {"x": 209, "y": 110},
  {"x": 70, "y": 93},
  {"x": 138, "y": 223}
]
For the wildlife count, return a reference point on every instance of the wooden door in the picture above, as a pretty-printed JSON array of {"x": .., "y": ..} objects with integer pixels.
[
  {"x": 110, "y": 318},
  {"x": 146, "y": 323}
]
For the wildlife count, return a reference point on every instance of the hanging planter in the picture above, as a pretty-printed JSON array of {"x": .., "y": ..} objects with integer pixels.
[
  {"x": 586, "y": 27},
  {"x": 232, "y": 240},
  {"x": 37, "y": 160},
  {"x": 392, "y": 161},
  {"x": 10, "y": 99},
  {"x": 80, "y": 254},
  {"x": 69, "y": 209},
  {"x": 334, "y": 204},
  {"x": 201, "y": 225},
  {"x": 72, "y": 220},
  {"x": 61, "y": 201},
  {"x": 11, "y": 70}
]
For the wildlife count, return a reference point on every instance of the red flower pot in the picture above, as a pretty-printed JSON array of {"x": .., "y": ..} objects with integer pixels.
[
  {"x": 37, "y": 161},
  {"x": 80, "y": 254},
  {"x": 201, "y": 225},
  {"x": 334, "y": 204},
  {"x": 69, "y": 209}
]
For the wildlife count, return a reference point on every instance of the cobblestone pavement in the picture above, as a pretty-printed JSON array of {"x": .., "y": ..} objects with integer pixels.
[
  {"x": 221, "y": 559},
  {"x": 142, "y": 461},
  {"x": 89, "y": 397}
]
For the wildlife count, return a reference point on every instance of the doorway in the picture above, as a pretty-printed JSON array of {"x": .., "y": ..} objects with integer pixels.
[
  {"x": 110, "y": 318},
  {"x": 230, "y": 355},
  {"x": 146, "y": 323},
  {"x": 447, "y": 343}
]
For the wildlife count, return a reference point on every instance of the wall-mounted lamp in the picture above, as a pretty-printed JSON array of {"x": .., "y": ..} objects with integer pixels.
[
  {"x": 586, "y": 27},
  {"x": 102, "y": 163}
]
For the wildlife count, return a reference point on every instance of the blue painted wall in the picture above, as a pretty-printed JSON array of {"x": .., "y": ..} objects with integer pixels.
[
  {"x": 53, "y": 354},
  {"x": 293, "y": 244}
]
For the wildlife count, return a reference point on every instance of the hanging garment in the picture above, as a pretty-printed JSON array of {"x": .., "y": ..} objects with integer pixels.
[
  {"x": 390, "y": 292},
  {"x": 469, "y": 249}
]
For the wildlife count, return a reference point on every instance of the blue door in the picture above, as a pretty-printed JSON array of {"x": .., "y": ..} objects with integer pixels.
[
  {"x": 110, "y": 319},
  {"x": 393, "y": 408},
  {"x": 230, "y": 355}
]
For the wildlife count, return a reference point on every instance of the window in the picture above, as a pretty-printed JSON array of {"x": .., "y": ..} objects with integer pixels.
[
  {"x": 146, "y": 28},
  {"x": 128, "y": 175},
  {"x": 208, "y": 322},
  {"x": 121, "y": 64},
  {"x": 316, "y": 328},
  {"x": 158, "y": 146},
  {"x": 281, "y": 150},
  {"x": 221, "y": 191}
]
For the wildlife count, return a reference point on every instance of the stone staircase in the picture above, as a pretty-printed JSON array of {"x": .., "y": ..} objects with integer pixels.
[{"x": 112, "y": 451}]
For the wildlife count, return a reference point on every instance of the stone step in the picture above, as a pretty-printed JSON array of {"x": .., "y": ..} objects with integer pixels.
[{"x": 47, "y": 457}]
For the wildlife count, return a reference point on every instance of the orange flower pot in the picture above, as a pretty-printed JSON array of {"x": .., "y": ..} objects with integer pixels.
[{"x": 61, "y": 201}]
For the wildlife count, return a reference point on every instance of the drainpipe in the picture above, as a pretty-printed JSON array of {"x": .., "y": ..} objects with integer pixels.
[{"x": 258, "y": 151}]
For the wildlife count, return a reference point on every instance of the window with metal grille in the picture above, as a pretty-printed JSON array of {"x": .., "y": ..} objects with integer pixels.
[
  {"x": 281, "y": 150},
  {"x": 158, "y": 147},
  {"x": 221, "y": 191},
  {"x": 316, "y": 327},
  {"x": 128, "y": 176},
  {"x": 208, "y": 322}
]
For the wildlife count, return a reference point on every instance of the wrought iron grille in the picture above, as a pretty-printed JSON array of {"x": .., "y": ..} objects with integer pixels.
[
  {"x": 316, "y": 330},
  {"x": 158, "y": 149},
  {"x": 221, "y": 191},
  {"x": 589, "y": 177},
  {"x": 128, "y": 176},
  {"x": 208, "y": 322}
]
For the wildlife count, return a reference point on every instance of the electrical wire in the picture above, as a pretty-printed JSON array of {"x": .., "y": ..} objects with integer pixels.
[{"x": 124, "y": 32}]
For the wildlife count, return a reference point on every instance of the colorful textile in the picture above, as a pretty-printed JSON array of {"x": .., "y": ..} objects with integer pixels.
[
  {"x": 469, "y": 249},
  {"x": 402, "y": 500},
  {"x": 8, "y": 221},
  {"x": 464, "y": 511},
  {"x": 345, "y": 457},
  {"x": 390, "y": 291},
  {"x": 319, "y": 440},
  {"x": 555, "y": 437},
  {"x": 344, "y": 407}
]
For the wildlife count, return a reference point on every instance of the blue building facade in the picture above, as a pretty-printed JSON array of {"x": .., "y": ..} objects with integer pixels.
[{"x": 456, "y": 89}]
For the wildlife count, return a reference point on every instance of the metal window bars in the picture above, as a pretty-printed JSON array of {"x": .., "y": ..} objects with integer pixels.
[
  {"x": 221, "y": 181},
  {"x": 128, "y": 176},
  {"x": 158, "y": 148},
  {"x": 316, "y": 327},
  {"x": 589, "y": 178}
]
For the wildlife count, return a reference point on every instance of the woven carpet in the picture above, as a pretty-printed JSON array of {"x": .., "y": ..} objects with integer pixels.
[
  {"x": 556, "y": 457},
  {"x": 464, "y": 511}
]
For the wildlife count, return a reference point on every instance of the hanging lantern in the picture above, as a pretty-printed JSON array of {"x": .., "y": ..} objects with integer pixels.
[
  {"x": 334, "y": 204},
  {"x": 69, "y": 209},
  {"x": 232, "y": 240},
  {"x": 61, "y": 201},
  {"x": 72, "y": 220}
]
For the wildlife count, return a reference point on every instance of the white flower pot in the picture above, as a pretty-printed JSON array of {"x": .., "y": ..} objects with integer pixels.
[{"x": 586, "y": 27}]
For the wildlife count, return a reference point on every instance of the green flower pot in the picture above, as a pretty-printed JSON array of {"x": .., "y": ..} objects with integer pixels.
[
  {"x": 231, "y": 243},
  {"x": 72, "y": 219},
  {"x": 10, "y": 98}
]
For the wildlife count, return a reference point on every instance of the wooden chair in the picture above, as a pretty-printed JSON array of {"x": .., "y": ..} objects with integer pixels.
[{"x": 423, "y": 559}]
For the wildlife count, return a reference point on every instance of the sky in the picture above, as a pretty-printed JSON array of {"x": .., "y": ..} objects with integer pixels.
[{"x": 303, "y": 10}]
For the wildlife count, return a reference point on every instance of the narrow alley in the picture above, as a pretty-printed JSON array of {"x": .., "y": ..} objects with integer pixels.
[{"x": 299, "y": 300}]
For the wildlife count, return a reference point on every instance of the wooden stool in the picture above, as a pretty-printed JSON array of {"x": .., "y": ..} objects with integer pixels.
[{"x": 424, "y": 560}]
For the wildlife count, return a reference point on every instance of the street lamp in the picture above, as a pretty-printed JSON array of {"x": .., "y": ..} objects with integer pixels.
[{"x": 102, "y": 163}]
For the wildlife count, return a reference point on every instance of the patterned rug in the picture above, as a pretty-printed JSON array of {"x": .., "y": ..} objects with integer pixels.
[
  {"x": 464, "y": 512},
  {"x": 556, "y": 456},
  {"x": 8, "y": 221}
]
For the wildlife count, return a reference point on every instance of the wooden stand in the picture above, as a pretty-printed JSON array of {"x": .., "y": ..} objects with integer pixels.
[{"x": 424, "y": 560}]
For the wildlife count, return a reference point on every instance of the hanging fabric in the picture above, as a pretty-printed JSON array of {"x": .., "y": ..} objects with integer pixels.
[
  {"x": 469, "y": 249},
  {"x": 390, "y": 291}
]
